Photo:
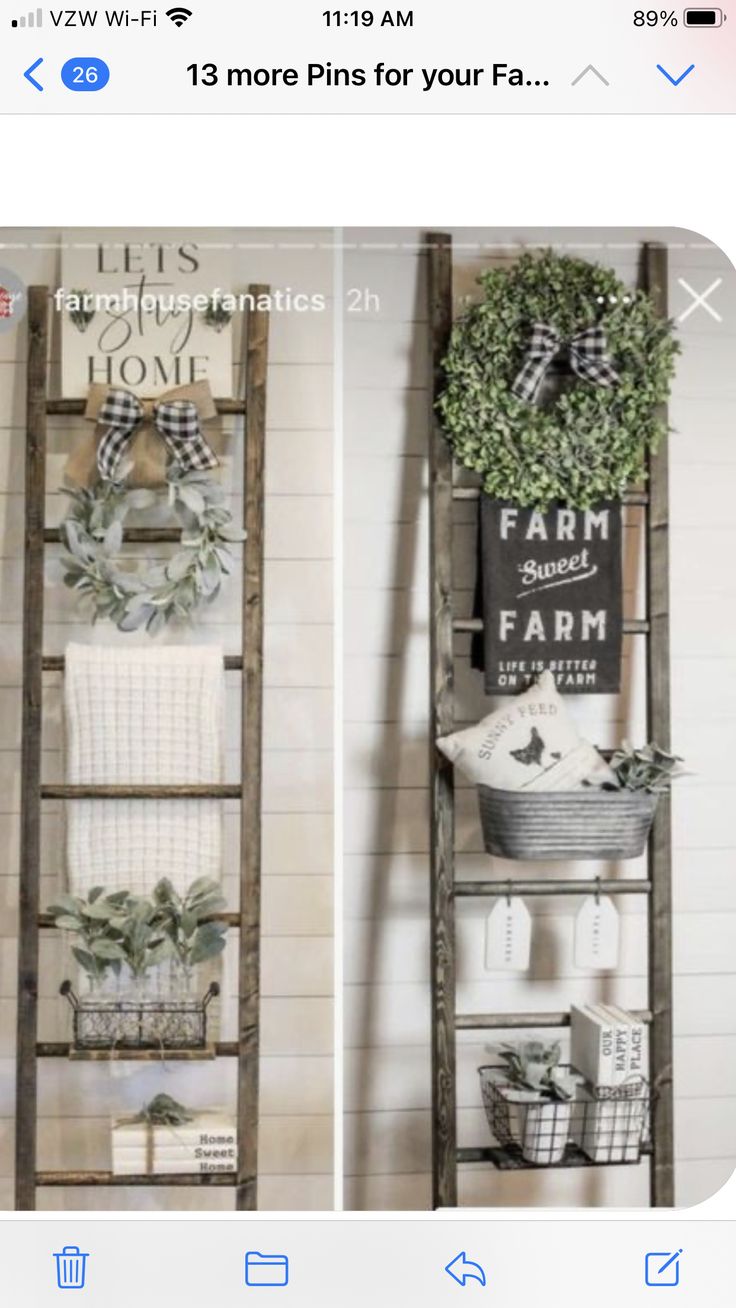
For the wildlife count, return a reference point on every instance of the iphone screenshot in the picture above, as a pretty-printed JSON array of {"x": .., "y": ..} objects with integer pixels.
[{"x": 367, "y": 655}]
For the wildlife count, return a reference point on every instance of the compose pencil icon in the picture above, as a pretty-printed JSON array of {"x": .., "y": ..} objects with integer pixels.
[{"x": 662, "y": 1269}]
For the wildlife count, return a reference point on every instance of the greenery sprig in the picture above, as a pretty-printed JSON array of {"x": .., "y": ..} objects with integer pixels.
[
  {"x": 535, "y": 1066},
  {"x": 139, "y": 932},
  {"x": 649, "y": 768},
  {"x": 80, "y": 312},
  {"x": 216, "y": 315},
  {"x": 148, "y": 596},
  {"x": 590, "y": 442},
  {"x": 162, "y": 1110},
  {"x": 186, "y": 919}
]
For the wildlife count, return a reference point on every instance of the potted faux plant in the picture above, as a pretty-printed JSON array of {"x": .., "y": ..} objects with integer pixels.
[
  {"x": 128, "y": 937},
  {"x": 187, "y": 921},
  {"x": 529, "y": 1102},
  {"x": 97, "y": 922}
]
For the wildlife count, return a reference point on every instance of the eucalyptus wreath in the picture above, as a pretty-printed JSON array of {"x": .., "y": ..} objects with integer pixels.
[
  {"x": 589, "y": 442},
  {"x": 146, "y": 595}
]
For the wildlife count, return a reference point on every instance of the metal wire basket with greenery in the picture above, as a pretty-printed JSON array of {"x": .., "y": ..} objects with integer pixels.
[
  {"x": 100, "y": 1023},
  {"x": 543, "y": 1113}
]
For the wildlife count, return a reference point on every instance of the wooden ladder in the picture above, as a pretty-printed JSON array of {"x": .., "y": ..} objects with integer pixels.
[
  {"x": 445, "y": 889},
  {"x": 33, "y": 792}
]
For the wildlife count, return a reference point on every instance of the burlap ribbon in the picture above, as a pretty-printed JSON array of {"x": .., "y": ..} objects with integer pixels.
[
  {"x": 146, "y": 449},
  {"x": 176, "y": 421}
]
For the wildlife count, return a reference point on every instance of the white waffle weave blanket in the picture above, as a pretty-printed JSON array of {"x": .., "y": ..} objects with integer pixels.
[{"x": 143, "y": 716}]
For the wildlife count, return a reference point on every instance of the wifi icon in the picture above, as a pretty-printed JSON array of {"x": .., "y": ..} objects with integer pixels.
[{"x": 179, "y": 15}]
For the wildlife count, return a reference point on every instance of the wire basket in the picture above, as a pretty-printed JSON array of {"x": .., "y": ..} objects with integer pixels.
[
  {"x": 565, "y": 824},
  {"x": 139, "y": 1023},
  {"x": 603, "y": 1124}
]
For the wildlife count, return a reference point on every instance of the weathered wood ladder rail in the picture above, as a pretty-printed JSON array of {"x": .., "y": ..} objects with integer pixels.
[
  {"x": 446, "y": 1021},
  {"x": 250, "y": 665}
]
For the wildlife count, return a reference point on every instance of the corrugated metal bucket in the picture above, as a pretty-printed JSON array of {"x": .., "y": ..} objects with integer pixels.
[{"x": 566, "y": 824}]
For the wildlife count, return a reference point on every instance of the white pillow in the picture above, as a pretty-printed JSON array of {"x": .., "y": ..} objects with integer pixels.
[
  {"x": 582, "y": 769},
  {"x": 531, "y": 743}
]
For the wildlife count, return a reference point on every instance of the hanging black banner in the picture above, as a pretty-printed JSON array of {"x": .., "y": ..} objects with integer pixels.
[{"x": 550, "y": 591}]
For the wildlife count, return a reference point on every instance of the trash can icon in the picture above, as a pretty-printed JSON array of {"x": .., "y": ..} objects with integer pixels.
[{"x": 71, "y": 1266}]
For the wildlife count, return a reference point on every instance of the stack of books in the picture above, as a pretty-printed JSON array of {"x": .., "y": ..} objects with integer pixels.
[
  {"x": 209, "y": 1143},
  {"x": 609, "y": 1047}
]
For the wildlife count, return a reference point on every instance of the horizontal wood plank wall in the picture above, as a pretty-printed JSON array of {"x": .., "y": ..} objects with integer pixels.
[
  {"x": 78, "y": 1100},
  {"x": 388, "y": 1064}
]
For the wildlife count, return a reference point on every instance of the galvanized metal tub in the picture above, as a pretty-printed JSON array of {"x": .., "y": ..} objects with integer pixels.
[{"x": 566, "y": 824}]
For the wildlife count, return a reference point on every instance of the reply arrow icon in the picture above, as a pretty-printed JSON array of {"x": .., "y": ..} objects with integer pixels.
[{"x": 461, "y": 1269}]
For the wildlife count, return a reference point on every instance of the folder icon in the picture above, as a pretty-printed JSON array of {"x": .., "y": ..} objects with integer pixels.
[{"x": 266, "y": 1269}]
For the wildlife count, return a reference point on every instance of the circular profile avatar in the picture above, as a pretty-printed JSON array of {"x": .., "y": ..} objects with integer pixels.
[{"x": 13, "y": 300}]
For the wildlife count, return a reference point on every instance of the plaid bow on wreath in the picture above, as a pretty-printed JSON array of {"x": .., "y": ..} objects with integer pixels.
[
  {"x": 588, "y": 353},
  {"x": 176, "y": 421}
]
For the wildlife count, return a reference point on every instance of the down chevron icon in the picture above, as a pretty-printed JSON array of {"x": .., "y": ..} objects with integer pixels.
[{"x": 676, "y": 80}]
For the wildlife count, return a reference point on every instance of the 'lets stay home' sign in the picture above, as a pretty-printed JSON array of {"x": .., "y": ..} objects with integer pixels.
[{"x": 551, "y": 588}]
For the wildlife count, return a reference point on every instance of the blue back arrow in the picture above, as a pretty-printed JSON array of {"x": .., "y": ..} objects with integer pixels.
[
  {"x": 28, "y": 75},
  {"x": 461, "y": 1269}
]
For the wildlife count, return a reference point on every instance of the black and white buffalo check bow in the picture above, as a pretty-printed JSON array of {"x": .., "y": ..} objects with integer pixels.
[
  {"x": 588, "y": 353},
  {"x": 176, "y": 421}
]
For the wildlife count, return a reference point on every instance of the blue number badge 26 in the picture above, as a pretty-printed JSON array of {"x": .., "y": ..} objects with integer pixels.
[{"x": 85, "y": 74}]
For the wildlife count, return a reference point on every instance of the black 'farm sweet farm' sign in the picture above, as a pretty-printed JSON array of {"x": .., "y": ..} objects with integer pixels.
[{"x": 551, "y": 596}]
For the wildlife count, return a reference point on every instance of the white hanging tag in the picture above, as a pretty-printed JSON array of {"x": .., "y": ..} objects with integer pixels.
[
  {"x": 596, "y": 934},
  {"x": 508, "y": 936}
]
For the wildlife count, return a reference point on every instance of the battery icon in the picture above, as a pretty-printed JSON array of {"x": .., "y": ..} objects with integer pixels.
[{"x": 703, "y": 17}]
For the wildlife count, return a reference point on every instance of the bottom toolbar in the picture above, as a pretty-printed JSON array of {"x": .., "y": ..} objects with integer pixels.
[{"x": 337, "y": 1260}]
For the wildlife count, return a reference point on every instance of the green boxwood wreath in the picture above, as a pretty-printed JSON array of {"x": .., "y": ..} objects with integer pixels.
[{"x": 591, "y": 442}]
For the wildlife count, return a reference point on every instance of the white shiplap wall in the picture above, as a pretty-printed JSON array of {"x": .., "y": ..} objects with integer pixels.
[
  {"x": 387, "y": 1014},
  {"x": 77, "y": 1101}
]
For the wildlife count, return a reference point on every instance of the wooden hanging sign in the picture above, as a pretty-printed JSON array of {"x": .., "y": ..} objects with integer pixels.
[
  {"x": 133, "y": 310},
  {"x": 551, "y": 596}
]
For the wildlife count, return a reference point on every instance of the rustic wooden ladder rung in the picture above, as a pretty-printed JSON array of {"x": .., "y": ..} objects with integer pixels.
[
  {"x": 131, "y": 535},
  {"x": 141, "y": 792},
  {"x": 656, "y": 887},
  {"x": 248, "y": 791},
  {"x": 63, "y": 1049},
  {"x": 60, "y": 1179},
  {"x": 48, "y": 923},
  {"x": 55, "y": 662},
  {"x": 523, "y": 1021}
]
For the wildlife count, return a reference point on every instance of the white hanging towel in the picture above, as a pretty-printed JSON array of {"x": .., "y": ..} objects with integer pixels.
[{"x": 143, "y": 716}]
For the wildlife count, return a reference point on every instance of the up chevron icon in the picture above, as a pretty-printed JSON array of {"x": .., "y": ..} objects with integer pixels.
[
  {"x": 590, "y": 68},
  {"x": 675, "y": 80}
]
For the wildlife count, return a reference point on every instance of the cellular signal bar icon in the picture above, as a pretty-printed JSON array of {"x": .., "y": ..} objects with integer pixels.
[{"x": 33, "y": 19}]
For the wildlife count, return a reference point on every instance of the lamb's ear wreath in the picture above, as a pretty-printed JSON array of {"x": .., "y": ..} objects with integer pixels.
[
  {"x": 148, "y": 595},
  {"x": 590, "y": 442}
]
